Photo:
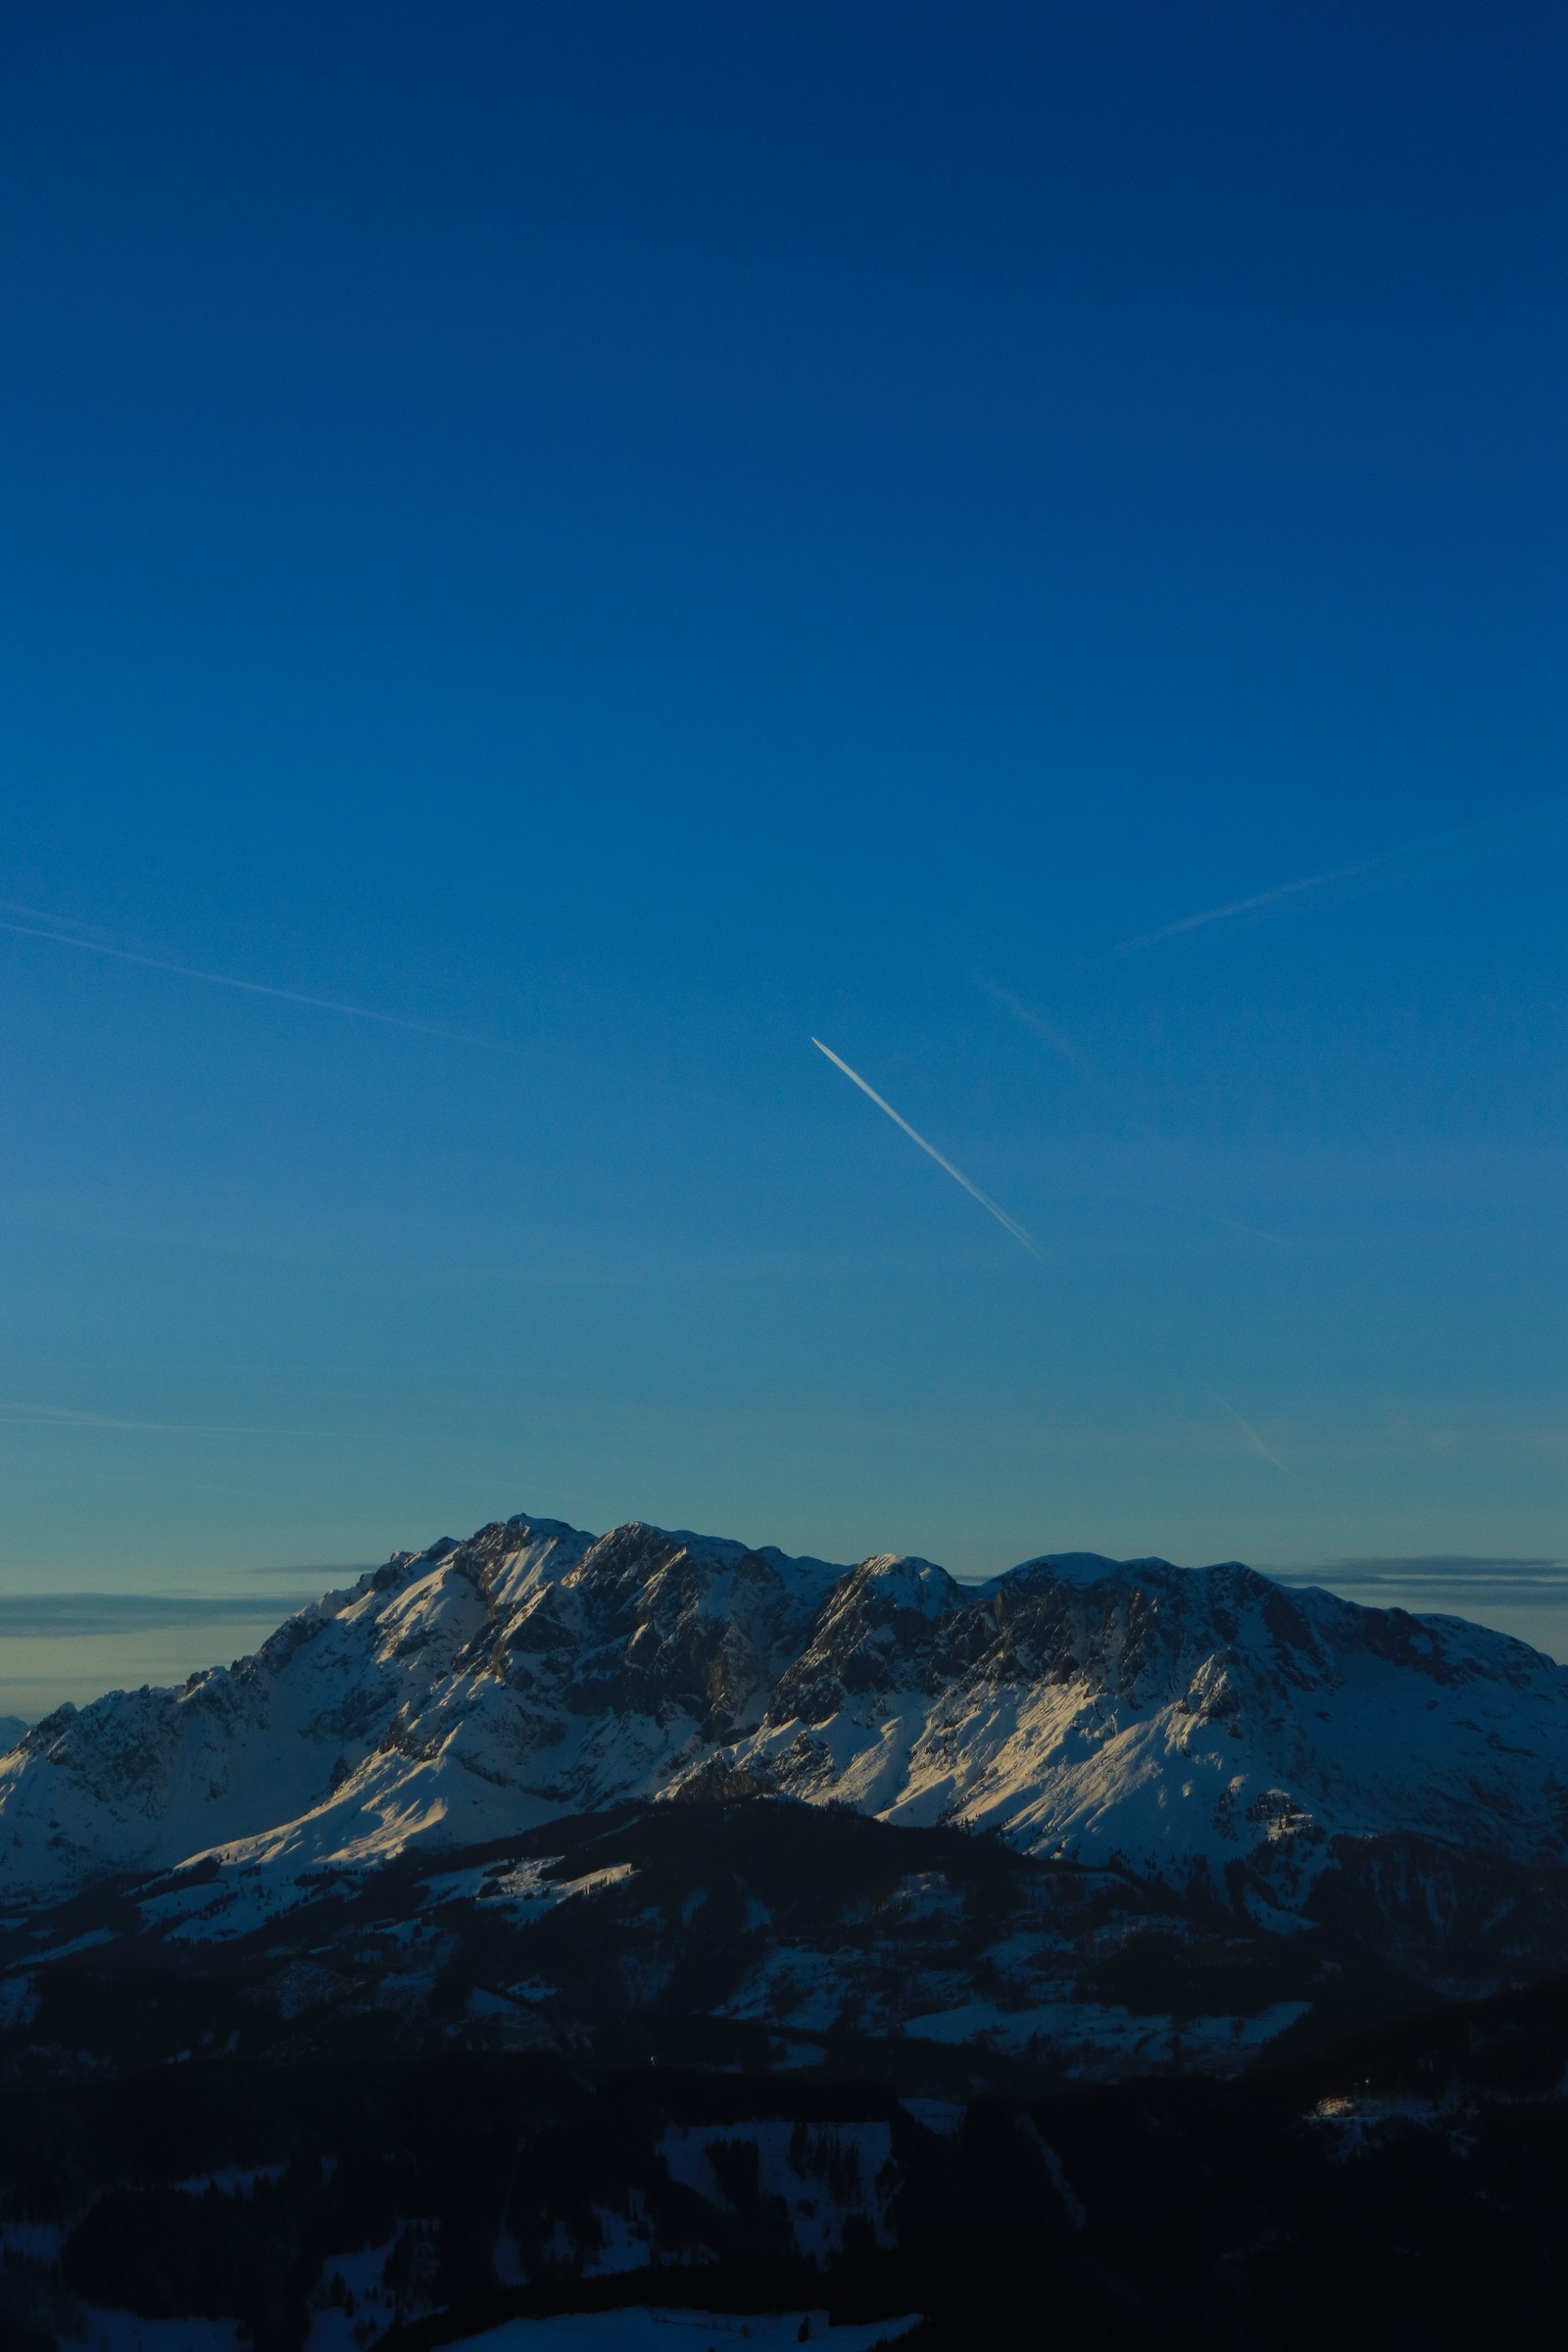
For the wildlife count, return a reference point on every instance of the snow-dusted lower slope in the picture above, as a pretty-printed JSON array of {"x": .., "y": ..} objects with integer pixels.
[{"x": 1185, "y": 1721}]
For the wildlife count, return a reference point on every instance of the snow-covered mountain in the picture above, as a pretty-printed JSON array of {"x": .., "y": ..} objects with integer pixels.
[{"x": 1202, "y": 1726}]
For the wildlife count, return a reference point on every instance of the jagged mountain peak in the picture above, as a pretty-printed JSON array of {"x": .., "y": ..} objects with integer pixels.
[{"x": 1180, "y": 1719}]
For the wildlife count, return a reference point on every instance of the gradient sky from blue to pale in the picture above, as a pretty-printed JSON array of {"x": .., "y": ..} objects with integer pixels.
[{"x": 637, "y": 536}]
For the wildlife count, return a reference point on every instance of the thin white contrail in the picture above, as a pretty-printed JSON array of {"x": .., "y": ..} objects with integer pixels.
[
  {"x": 958, "y": 1177},
  {"x": 253, "y": 988},
  {"x": 1252, "y": 1436},
  {"x": 1263, "y": 898}
]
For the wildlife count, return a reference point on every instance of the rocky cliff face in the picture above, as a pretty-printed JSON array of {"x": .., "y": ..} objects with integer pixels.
[{"x": 1206, "y": 1726}]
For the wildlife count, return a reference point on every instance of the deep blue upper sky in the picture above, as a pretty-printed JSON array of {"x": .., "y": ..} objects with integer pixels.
[{"x": 640, "y": 534}]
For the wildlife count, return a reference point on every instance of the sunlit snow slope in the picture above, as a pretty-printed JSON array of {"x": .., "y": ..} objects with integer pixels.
[{"x": 1186, "y": 1721}]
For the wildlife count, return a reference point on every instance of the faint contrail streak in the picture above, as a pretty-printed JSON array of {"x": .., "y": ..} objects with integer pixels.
[
  {"x": 60, "y": 1417},
  {"x": 1063, "y": 1045},
  {"x": 958, "y": 1177},
  {"x": 1263, "y": 898},
  {"x": 1252, "y": 1436},
  {"x": 253, "y": 988},
  {"x": 1058, "y": 1039},
  {"x": 1426, "y": 858}
]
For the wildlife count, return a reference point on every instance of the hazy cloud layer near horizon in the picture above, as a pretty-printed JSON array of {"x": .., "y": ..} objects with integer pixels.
[
  {"x": 1524, "y": 1598},
  {"x": 85, "y": 1615},
  {"x": 1452, "y": 1580},
  {"x": 77, "y": 1645},
  {"x": 59, "y": 1646}
]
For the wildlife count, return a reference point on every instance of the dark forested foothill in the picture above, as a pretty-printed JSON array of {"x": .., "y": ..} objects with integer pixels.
[{"x": 1402, "y": 2188}]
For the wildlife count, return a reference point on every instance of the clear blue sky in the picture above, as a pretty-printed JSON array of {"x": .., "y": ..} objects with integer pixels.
[{"x": 640, "y": 534}]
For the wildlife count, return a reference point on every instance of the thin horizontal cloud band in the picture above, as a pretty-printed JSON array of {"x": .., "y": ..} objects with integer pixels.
[
  {"x": 1440, "y": 1587},
  {"x": 1541, "y": 1576},
  {"x": 80, "y": 1614}
]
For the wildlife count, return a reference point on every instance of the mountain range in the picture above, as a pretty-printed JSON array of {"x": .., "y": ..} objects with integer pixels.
[
  {"x": 559, "y": 1925},
  {"x": 1270, "y": 1761}
]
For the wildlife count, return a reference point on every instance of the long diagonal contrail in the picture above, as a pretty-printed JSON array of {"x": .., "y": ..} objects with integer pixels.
[
  {"x": 250, "y": 988},
  {"x": 958, "y": 1177}
]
